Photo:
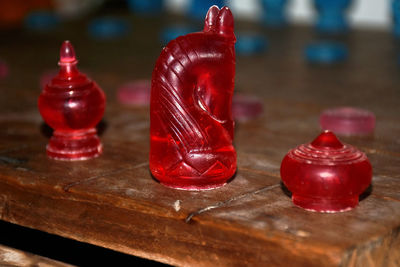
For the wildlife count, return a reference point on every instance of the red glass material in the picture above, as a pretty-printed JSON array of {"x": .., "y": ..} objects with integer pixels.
[
  {"x": 326, "y": 175},
  {"x": 136, "y": 93},
  {"x": 72, "y": 105},
  {"x": 348, "y": 121},
  {"x": 191, "y": 98},
  {"x": 245, "y": 108}
]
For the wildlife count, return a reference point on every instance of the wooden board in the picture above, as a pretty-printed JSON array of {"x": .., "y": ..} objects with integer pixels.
[
  {"x": 14, "y": 257},
  {"x": 113, "y": 202}
]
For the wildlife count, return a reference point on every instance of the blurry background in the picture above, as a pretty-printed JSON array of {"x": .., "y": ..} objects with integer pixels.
[{"x": 362, "y": 13}]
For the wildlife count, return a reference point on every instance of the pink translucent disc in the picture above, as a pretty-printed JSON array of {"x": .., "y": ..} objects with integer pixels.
[
  {"x": 4, "y": 71},
  {"x": 348, "y": 121},
  {"x": 136, "y": 93},
  {"x": 246, "y": 107}
]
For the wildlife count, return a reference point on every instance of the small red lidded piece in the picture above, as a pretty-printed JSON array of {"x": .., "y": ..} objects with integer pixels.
[
  {"x": 326, "y": 175},
  {"x": 72, "y": 105}
]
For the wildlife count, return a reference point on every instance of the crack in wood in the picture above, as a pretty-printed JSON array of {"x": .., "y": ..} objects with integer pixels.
[
  {"x": 68, "y": 186},
  {"x": 385, "y": 197},
  {"x": 228, "y": 201},
  {"x": 380, "y": 152},
  {"x": 11, "y": 160},
  {"x": 264, "y": 172},
  {"x": 7, "y": 160}
]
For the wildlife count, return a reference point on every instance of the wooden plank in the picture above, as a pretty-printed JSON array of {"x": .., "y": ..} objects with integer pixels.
[
  {"x": 112, "y": 201},
  {"x": 14, "y": 257}
]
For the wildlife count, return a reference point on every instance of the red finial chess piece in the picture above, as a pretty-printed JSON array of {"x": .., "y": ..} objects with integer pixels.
[
  {"x": 72, "y": 105},
  {"x": 326, "y": 175},
  {"x": 191, "y": 96}
]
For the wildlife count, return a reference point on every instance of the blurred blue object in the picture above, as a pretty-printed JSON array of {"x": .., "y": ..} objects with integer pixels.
[
  {"x": 274, "y": 12},
  {"x": 108, "y": 28},
  {"x": 326, "y": 52},
  {"x": 172, "y": 32},
  {"x": 250, "y": 43},
  {"x": 41, "y": 21},
  {"x": 146, "y": 6},
  {"x": 396, "y": 17},
  {"x": 198, "y": 8},
  {"x": 332, "y": 16}
]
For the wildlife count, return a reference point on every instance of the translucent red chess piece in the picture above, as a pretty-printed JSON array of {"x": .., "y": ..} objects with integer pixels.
[
  {"x": 191, "y": 98},
  {"x": 326, "y": 175},
  {"x": 72, "y": 105},
  {"x": 348, "y": 121}
]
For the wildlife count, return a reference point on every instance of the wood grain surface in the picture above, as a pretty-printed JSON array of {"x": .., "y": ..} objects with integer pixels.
[
  {"x": 112, "y": 201},
  {"x": 13, "y": 257}
]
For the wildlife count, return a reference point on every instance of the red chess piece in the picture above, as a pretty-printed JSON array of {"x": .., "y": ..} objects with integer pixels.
[
  {"x": 72, "y": 105},
  {"x": 191, "y": 97},
  {"x": 326, "y": 175},
  {"x": 348, "y": 121}
]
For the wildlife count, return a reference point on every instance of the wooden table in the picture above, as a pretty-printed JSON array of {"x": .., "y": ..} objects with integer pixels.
[
  {"x": 113, "y": 202},
  {"x": 13, "y": 257}
]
